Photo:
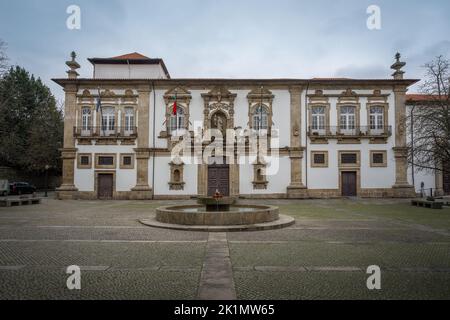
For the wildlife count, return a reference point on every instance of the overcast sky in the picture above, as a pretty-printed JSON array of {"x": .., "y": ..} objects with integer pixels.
[{"x": 229, "y": 38}]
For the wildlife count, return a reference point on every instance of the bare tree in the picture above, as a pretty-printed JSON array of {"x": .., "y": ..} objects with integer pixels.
[
  {"x": 3, "y": 57},
  {"x": 430, "y": 119}
]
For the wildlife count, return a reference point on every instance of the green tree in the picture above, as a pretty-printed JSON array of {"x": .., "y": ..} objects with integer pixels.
[{"x": 31, "y": 125}]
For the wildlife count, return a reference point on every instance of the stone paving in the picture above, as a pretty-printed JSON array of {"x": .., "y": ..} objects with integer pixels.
[{"x": 323, "y": 256}]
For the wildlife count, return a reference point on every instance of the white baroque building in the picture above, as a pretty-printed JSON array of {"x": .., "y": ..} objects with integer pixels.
[{"x": 326, "y": 137}]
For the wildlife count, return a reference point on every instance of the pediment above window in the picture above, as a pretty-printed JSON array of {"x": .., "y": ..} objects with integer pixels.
[
  {"x": 260, "y": 94},
  {"x": 219, "y": 94},
  {"x": 179, "y": 93}
]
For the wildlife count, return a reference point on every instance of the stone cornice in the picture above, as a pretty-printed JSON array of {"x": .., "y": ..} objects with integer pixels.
[{"x": 248, "y": 83}]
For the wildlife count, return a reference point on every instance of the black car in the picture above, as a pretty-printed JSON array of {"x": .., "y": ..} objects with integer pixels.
[{"x": 21, "y": 188}]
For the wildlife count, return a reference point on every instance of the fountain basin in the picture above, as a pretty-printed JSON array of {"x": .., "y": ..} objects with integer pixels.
[
  {"x": 198, "y": 215},
  {"x": 219, "y": 204}
]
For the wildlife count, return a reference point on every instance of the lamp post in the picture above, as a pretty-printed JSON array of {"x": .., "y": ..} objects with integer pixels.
[{"x": 46, "y": 179}]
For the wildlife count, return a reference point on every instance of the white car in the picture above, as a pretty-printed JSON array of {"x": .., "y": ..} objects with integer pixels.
[{"x": 4, "y": 187}]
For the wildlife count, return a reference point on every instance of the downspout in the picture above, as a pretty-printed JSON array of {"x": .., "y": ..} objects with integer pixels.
[
  {"x": 412, "y": 147},
  {"x": 153, "y": 141},
  {"x": 306, "y": 135}
]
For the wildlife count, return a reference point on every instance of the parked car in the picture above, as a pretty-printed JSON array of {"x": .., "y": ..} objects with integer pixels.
[
  {"x": 4, "y": 187},
  {"x": 21, "y": 188}
]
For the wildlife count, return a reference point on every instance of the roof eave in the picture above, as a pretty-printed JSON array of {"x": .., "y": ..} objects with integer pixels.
[{"x": 385, "y": 82}]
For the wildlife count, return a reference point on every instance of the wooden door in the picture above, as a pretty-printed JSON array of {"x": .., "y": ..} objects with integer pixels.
[
  {"x": 219, "y": 179},
  {"x": 105, "y": 186},
  {"x": 349, "y": 184}
]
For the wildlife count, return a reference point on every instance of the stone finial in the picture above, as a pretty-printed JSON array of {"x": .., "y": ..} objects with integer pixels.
[
  {"x": 73, "y": 65},
  {"x": 397, "y": 66}
]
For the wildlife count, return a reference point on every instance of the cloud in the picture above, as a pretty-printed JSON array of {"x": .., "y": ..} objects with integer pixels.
[
  {"x": 236, "y": 39},
  {"x": 363, "y": 72}
]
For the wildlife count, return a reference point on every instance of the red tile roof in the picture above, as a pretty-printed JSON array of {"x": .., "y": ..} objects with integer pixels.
[
  {"x": 417, "y": 97},
  {"x": 130, "y": 56}
]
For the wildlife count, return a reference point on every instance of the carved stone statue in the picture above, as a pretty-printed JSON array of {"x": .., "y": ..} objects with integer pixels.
[{"x": 219, "y": 122}]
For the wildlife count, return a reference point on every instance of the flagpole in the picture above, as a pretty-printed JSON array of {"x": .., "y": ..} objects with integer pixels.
[
  {"x": 175, "y": 111},
  {"x": 260, "y": 124},
  {"x": 260, "y": 109},
  {"x": 99, "y": 106}
]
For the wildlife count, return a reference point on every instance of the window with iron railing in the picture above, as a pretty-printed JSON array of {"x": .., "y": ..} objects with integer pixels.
[
  {"x": 129, "y": 120},
  {"x": 108, "y": 119},
  {"x": 361, "y": 131},
  {"x": 347, "y": 118},
  {"x": 86, "y": 118},
  {"x": 318, "y": 118},
  {"x": 376, "y": 118}
]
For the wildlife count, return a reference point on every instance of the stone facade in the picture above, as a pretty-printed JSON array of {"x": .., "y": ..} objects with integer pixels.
[{"x": 136, "y": 117}]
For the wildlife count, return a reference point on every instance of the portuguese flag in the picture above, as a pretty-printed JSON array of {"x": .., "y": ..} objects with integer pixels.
[{"x": 174, "y": 110}]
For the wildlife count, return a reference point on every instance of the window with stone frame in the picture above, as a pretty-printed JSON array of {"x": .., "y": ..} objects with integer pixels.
[
  {"x": 319, "y": 159},
  {"x": 318, "y": 118},
  {"x": 347, "y": 119},
  {"x": 260, "y": 118},
  {"x": 176, "y": 124},
  {"x": 126, "y": 161},
  {"x": 260, "y": 110},
  {"x": 378, "y": 158},
  {"x": 177, "y": 121},
  {"x": 105, "y": 160},
  {"x": 129, "y": 123},
  {"x": 349, "y": 158},
  {"x": 84, "y": 161},
  {"x": 108, "y": 120},
  {"x": 86, "y": 119},
  {"x": 376, "y": 118}
]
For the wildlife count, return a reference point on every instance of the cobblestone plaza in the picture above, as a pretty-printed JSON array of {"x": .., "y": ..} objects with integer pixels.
[{"x": 324, "y": 255}]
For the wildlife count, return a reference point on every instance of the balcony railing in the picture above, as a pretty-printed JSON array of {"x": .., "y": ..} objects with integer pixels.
[
  {"x": 105, "y": 131},
  {"x": 357, "y": 131}
]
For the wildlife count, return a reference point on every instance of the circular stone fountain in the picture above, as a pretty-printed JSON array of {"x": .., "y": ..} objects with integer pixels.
[{"x": 219, "y": 214}]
